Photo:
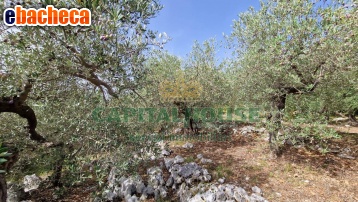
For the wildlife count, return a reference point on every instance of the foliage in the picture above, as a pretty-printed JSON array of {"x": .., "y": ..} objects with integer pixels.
[
  {"x": 292, "y": 47},
  {"x": 73, "y": 70},
  {"x": 3, "y": 155}
]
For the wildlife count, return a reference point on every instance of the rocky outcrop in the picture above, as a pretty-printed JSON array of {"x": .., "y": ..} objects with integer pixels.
[{"x": 188, "y": 181}]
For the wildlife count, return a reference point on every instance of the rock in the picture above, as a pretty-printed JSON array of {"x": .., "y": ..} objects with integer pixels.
[
  {"x": 207, "y": 178},
  {"x": 257, "y": 198},
  {"x": 163, "y": 192},
  {"x": 154, "y": 171},
  {"x": 128, "y": 187},
  {"x": 175, "y": 169},
  {"x": 220, "y": 196},
  {"x": 229, "y": 191},
  {"x": 240, "y": 194},
  {"x": 143, "y": 197},
  {"x": 225, "y": 192},
  {"x": 205, "y": 172},
  {"x": 155, "y": 177},
  {"x": 177, "y": 130},
  {"x": 257, "y": 190},
  {"x": 111, "y": 179},
  {"x": 197, "y": 198},
  {"x": 15, "y": 193},
  {"x": 196, "y": 174},
  {"x": 261, "y": 130},
  {"x": 140, "y": 187},
  {"x": 247, "y": 130},
  {"x": 168, "y": 162},
  {"x": 156, "y": 194},
  {"x": 169, "y": 182},
  {"x": 178, "y": 159},
  {"x": 31, "y": 182},
  {"x": 188, "y": 169},
  {"x": 188, "y": 145},
  {"x": 165, "y": 152},
  {"x": 149, "y": 190},
  {"x": 179, "y": 180},
  {"x": 209, "y": 196},
  {"x": 199, "y": 156},
  {"x": 132, "y": 199},
  {"x": 108, "y": 195},
  {"x": 205, "y": 161},
  {"x": 221, "y": 180},
  {"x": 162, "y": 145}
]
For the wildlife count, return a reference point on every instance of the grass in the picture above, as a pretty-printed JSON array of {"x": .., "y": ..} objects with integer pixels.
[
  {"x": 189, "y": 159},
  {"x": 222, "y": 171}
]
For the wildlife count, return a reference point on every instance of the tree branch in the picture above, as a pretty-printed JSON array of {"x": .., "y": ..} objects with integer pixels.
[
  {"x": 16, "y": 105},
  {"x": 96, "y": 81}
]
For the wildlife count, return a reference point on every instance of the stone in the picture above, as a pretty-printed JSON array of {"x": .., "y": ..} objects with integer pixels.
[
  {"x": 197, "y": 198},
  {"x": 188, "y": 169},
  {"x": 257, "y": 198},
  {"x": 205, "y": 172},
  {"x": 140, "y": 187},
  {"x": 229, "y": 191},
  {"x": 149, "y": 190},
  {"x": 206, "y": 161},
  {"x": 178, "y": 159},
  {"x": 209, "y": 196},
  {"x": 108, "y": 195},
  {"x": 143, "y": 197},
  {"x": 168, "y": 162},
  {"x": 196, "y": 174},
  {"x": 111, "y": 179},
  {"x": 240, "y": 194},
  {"x": 15, "y": 193},
  {"x": 207, "y": 178},
  {"x": 179, "y": 180},
  {"x": 169, "y": 182},
  {"x": 154, "y": 171},
  {"x": 128, "y": 187},
  {"x": 220, "y": 196},
  {"x": 257, "y": 190},
  {"x": 163, "y": 192},
  {"x": 31, "y": 182},
  {"x": 221, "y": 180},
  {"x": 132, "y": 199},
  {"x": 156, "y": 194},
  {"x": 188, "y": 145},
  {"x": 165, "y": 152}
]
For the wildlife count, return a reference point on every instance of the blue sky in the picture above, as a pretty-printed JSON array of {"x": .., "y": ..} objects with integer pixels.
[{"x": 188, "y": 20}]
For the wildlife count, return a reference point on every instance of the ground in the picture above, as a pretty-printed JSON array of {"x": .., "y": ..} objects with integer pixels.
[{"x": 300, "y": 174}]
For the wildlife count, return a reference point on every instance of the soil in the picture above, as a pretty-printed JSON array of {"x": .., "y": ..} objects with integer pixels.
[{"x": 299, "y": 174}]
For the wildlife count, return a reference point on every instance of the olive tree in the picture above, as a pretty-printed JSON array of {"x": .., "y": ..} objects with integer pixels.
[
  {"x": 59, "y": 73},
  {"x": 291, "y": 47}
]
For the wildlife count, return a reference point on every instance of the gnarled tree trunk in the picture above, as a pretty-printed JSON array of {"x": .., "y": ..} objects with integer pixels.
[
  {"x": 15, "y": 104},
  {"x": 3, "y": 188}
]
